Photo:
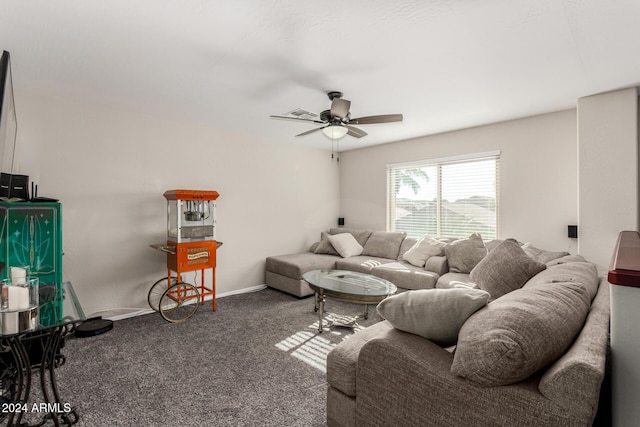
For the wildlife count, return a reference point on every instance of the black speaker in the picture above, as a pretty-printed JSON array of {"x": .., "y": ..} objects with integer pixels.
[
  {"x": 340, "y": 221},
  {"x": 573, "y": 231},
  {"x": 14, "y": 186}
]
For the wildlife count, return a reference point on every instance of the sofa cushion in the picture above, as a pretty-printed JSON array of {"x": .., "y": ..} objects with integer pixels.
[
  {"x": 446, "y": 281},
  {"x": 295, "y": 265},
  {"x": 464, "y": 254},
  {"x": 541, "y": 255},
  {"x": 504, "y": 269},
  {"x": 346, "y": 245},
  {"x": 384, "y": 244},
  {"x": 436, "y": 314},
  {"x": 454, "y": 280},
  {"x": 566, "y": 259},
  {"x": 424, "y": 248},
  {"x": 520, "y": 333},
  {"x": 584, "y": 273},
  {"x": 492, "y": 244},
  {"x": 407, "y": 276},
  {"x": 325, "y": 246},
  {"x": 361, "y": 263},
  {"x": 360, "y": 235},
  {"x": 437, "y": 264}
]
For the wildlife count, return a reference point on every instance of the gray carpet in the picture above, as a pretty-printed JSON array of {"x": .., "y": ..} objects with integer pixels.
[{"x": 256, "y": 361}]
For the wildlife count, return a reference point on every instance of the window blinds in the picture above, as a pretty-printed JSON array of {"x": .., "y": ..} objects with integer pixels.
[{"x": 451, "y": 197}]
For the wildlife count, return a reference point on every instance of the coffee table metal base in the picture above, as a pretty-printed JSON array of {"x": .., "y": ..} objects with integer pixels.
[
  {"x": 336, "y": 319},
  {"x": 340, "y": 320}
]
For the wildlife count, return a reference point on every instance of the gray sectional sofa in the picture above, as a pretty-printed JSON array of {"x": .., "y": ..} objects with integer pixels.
[
  {"x": 382, "y": 257},
  {"x": 531, "y": 353}
]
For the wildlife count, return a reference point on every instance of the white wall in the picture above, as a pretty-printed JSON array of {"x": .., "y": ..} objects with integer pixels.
[
  {"x": 608, "y": 171},
  {"x": 538, "y": 175},
  {"x": 109, "y": 168}
]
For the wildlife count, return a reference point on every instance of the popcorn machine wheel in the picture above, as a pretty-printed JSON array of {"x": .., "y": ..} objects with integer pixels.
[{"x": 191, "y": 246}]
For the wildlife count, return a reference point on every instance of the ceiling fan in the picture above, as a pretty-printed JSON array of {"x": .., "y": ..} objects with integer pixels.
[{"x": 337, "y": 121}]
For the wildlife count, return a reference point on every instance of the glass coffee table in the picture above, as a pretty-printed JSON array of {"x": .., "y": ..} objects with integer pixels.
[{"x": 350, "y": 286}]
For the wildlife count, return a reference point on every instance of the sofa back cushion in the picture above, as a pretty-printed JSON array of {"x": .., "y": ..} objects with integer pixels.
[
  {"x": 542, "y": 255},
  {"x": 325, "y": 246},
  {"x": 582, "y": 272},
  {"x": 361, "y": 235},
  {"x": 384, "y": 244},
  {"x": 522, "y": 332},
  {"x": 464, "y": 254}
]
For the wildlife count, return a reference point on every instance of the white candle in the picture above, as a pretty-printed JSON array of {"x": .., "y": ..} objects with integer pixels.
[
  {"x": 10, "y": 323},
  {"x": 18, "y": 275},
  {"x": 18, "y": 298}
]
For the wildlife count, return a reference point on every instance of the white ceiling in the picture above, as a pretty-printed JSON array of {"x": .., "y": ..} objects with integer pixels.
[{"x": 444, "y": 64}]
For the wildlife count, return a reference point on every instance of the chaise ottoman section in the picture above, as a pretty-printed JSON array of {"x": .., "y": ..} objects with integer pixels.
[{"x": 284, "y": 272}]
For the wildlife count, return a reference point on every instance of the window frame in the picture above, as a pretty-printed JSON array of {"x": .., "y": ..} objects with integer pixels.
[{"x": 438, "y": 163}]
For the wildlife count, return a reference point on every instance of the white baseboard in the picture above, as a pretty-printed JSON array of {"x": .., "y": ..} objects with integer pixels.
[{"x": 142, "y": 311}]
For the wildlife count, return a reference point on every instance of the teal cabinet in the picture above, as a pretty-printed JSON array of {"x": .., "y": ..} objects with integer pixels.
[{"x": 31, "y": 235}]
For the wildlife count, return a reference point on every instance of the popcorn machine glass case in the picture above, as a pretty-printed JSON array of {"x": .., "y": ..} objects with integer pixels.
[{"x": 191, "y": 215}]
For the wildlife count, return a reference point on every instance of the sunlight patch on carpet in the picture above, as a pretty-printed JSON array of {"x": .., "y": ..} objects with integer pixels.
[{"x": 311, "y": 347}]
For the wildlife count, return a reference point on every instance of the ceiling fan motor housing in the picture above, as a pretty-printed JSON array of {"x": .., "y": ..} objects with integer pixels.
[
  {"x": 326, "y": 116},
  {"x": 338, "y": 119}
]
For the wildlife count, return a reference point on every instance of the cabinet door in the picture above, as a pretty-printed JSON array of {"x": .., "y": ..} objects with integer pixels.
[{"x": 33, "y": 239}]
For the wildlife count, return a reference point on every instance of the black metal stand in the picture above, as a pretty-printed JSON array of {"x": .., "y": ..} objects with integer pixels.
[{"x": 52, "y": 409}]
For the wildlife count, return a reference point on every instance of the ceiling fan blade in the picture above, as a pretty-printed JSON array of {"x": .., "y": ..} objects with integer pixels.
[
  {"x": 297, "y": 120},
  {"x": 383, "y": 118},
  {"x": 355, "y": 132},
  {"x": 311, "y": 131},
  {"x": 340, "y": 107}
]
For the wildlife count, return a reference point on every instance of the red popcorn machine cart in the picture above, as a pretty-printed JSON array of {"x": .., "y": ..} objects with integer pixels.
[{"x": 191, "y": 247}]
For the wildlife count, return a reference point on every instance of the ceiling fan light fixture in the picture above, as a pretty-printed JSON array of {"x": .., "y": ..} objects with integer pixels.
[{"x": 335, "y": 131}]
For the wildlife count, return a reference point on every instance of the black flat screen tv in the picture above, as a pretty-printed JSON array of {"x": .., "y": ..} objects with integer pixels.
[{"x": 8, "y": 131}]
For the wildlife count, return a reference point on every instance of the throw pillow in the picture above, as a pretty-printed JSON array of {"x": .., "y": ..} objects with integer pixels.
[
  {"x": 504, "y": 269},
  {"x": 435, "y": 314},
  {"x": 517, "y": 335},
  {"x": 384, "y": 244},
  {"x": 464, "y": 254},
  {"x": 407, "y": 244},
  {"x": 345, "y": 244},
  {"x": 325, "y": 246},
  {"x": 541, "y": 255},
  {"x": 425, "y": 248}
]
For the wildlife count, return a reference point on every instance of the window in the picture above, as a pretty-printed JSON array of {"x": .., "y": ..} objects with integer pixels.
[{"x": 452, "y": 197}]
